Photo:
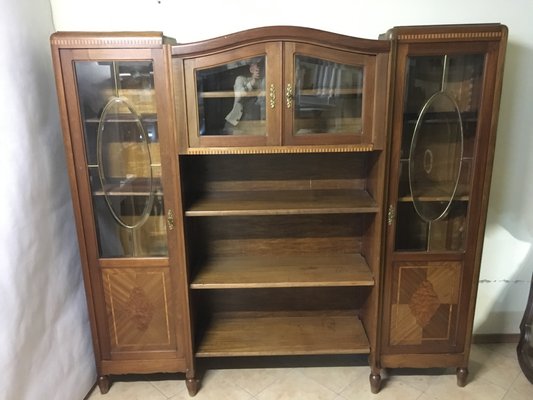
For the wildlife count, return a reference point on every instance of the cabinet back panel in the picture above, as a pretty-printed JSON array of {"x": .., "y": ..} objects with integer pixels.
[
  {"x": 264, "y": 235},
  {"x": 281, "y": 299},
  {"x": 274, "y": 172}
]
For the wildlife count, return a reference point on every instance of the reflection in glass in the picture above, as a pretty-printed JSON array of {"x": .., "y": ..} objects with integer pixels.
[
  {"x": 231, "y": 98},
  {"x": 117, "y": 102},
  {"x": 328, "y": 97}
]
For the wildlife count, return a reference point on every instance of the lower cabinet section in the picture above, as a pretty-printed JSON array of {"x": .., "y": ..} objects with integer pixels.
[
  {"x": 424, "y": 305},
  {"x": 138, "y": 311},
  {"x": 142, "y": 331}
]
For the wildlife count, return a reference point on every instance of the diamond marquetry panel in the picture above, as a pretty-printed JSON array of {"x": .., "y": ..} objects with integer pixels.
[
  {"x": 137, "y": 306},
  {"x": 445, "y": 281},
  {"x": 424, "y": 302},
  {"x": 404, "y": 329}
]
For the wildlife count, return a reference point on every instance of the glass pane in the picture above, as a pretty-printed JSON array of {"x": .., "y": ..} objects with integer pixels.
[
  {"x": 231, "y": 98},
  {"x": 117, "y": 101},
  {"x": 328, "y": 97},
  {"x": 435, "y": 157},
  {"x": 411, "y": 230},
  {"x": 442, "y": 100}
]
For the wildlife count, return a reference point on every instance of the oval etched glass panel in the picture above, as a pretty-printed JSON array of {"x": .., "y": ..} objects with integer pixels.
[
  {"x": 435, "y": 157},
  {"x": 124, "y": 164}
]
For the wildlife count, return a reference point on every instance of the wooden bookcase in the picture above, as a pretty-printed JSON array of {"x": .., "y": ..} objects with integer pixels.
[{"x": 280, "y": 191}]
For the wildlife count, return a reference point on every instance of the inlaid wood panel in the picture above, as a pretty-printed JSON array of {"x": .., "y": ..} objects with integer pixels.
[
  {"x": 137, "y": 305},
  {"x": 424, "y": 302}
]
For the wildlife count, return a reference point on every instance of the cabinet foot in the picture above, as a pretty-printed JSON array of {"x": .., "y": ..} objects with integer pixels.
[
  {"x": 375, "y": 382},
  {"x": 104, "y": 383},
  {"x": 193, "y": 385},
  {"x": 462, "y": 375}
]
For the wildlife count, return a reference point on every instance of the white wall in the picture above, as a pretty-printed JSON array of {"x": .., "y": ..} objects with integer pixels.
[
  {"x": 508, "y": 257},
  {"x": 45, "y": 345}
]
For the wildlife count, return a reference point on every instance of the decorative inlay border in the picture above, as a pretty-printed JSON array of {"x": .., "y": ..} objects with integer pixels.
[
  {"x": 280, "y": 149},
  {"x": 449, "y": 35},
  {"x": 104, "y": 42}
]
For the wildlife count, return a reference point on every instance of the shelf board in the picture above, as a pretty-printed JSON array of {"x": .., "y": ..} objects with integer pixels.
[
  {"x": 132, "y": 187},
  {"x": 325, "y": 92},
  {"x": 231, "y": 93},
  {"x": 282, "y": 202},
  {"x": 315, "y": 270},
  {"x": 283, "y": 333},
  {"x": 145, "y": 117},
  {"x": 409, "y": 199},
  {"x": 436, "y": 193}
]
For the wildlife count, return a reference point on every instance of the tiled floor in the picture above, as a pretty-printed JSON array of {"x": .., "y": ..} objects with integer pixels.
[{"x": 494, "y": 375}]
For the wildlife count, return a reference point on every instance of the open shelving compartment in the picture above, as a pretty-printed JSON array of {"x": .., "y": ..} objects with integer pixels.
[{"x": 281, "y": 251}]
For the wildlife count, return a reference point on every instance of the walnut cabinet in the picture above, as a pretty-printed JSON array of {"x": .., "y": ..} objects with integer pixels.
[{"x": 280, "y": 191}]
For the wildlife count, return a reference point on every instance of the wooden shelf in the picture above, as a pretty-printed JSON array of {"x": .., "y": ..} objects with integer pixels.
[
  {"x": 261, "y": 93},
  {"x": 283, "y": 271},
  {"x": 283, "y": 333},
  {"x": 436, "y": 193},
  {"x": 133, "y": 187},
  {"x": 231, "y": 93},
  {"x": 282, "y": 202},
  {"x": 325, "y": 92},
  {"x": 145, "y": 117}
]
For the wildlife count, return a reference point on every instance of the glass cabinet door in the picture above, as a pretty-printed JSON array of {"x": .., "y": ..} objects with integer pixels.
[
  {"x": 119, "y": 122},
  {"x": 440, "y": 119},
  {"x": 325, "y": 95},
  {"x": 232, "y": 97}
]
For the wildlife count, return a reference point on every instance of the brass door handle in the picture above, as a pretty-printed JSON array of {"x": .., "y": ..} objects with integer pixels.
[
  {"x": 272, "y": 96},
  {"x": 391, "y": 214},
  {"x": 288, "y": 95},
  {"x": 170, "y": 219}
]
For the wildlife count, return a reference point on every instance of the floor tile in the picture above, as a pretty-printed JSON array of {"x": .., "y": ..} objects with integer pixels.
[
  {"x": 138, "y": 390},
  {"x": 445, "y": 388},
  {"x": 521, "y": 389},
  {"x": 420, "y": 379},
  {"x": 497, "y": 367},
  {"x": 216, "y": 385},
  {"x": 335, "y": 379},
  {"x": 392, "y": 389},
  {"x": 254, "y": 380},
  {"x": 505, "y": 349},
  {"x": 168, "y": 384},
  {"x": 425, "y": 396},
  {"x": 296, "y": 386}
]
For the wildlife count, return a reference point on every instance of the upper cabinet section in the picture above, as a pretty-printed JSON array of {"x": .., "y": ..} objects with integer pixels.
[
  {"x": 227, "y": 100},
  {"x": 114, "y": 102},
  {"x": 281, "y": 87}
]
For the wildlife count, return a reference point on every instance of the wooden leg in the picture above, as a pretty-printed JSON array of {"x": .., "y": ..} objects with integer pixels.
[
  {"x": 375, "y": 382},
  {"x": 104, "y": 383},
  {"x": 193, "y": 385},
  {"x": 462, "y": 374}
]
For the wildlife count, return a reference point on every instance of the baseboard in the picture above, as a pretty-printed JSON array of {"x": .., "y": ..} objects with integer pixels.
[{"x": 487, "y": 338}]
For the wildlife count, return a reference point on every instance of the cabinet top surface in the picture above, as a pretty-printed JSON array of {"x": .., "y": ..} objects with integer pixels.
[
  {"x": 109, "y": 39},
  {"x": 280, "y": 33},
  {"x": 446, "y": 32}
]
